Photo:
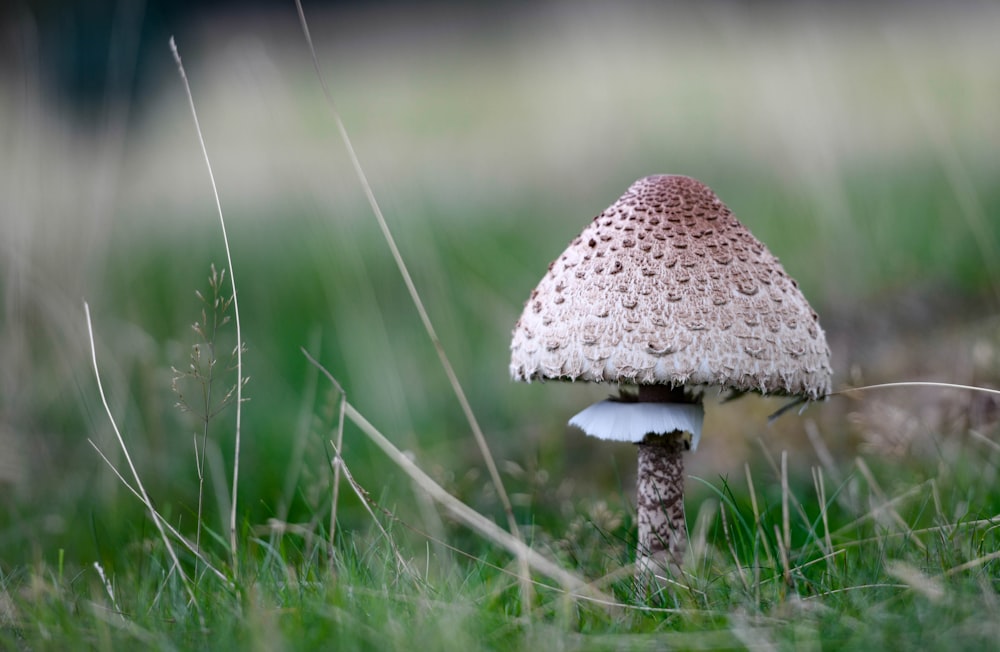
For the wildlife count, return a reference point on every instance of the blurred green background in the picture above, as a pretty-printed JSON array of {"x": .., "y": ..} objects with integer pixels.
[{"x": 859, "y": 142}]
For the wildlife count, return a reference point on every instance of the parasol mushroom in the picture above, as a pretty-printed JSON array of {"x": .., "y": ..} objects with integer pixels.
[{"x": 666, "y": 291}]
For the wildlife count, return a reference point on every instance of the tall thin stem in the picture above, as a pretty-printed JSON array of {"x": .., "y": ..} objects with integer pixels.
[
  {"x": 660, "y": 504},
  {"x": 236, "y": 305}
]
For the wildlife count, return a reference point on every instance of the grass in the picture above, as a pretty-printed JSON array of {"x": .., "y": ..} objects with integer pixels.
[
  {"x": 873, "y": 565},
  {"x": 889, "y": 542}
]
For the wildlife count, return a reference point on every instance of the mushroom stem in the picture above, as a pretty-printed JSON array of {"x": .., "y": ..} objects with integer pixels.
[
  {"x": 663, "y": 394},
  {"x": 660, "y": 504}
]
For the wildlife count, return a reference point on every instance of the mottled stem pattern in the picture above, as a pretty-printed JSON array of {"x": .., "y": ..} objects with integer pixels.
[{"x": 660, "y": 504}]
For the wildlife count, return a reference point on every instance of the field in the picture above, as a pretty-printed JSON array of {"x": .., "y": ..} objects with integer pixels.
[{"x": 861, "y": 146}]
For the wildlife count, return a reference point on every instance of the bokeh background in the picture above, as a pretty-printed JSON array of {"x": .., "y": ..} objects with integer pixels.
[{"x": 860, "y": 141}]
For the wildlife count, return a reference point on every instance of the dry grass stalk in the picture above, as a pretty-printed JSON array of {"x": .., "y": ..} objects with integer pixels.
[
  {"x": 157, "y": 519},
  {"x": 421, "y": 310},
  {"x": 466, "y": 514},
  {"x": 367, "y": 502},
  {"x": 187, "y": 543},
  {"x": 236, "y": 306}
]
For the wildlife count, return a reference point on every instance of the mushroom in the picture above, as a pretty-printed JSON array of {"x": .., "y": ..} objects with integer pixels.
[{"x": 665, "y": 290}]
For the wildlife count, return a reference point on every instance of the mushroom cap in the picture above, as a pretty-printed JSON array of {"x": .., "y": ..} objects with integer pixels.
[{"x": 667, "y": 287}]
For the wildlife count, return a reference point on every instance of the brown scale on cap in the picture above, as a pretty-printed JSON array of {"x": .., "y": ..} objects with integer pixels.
[{"x": 667, "y": 287}]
